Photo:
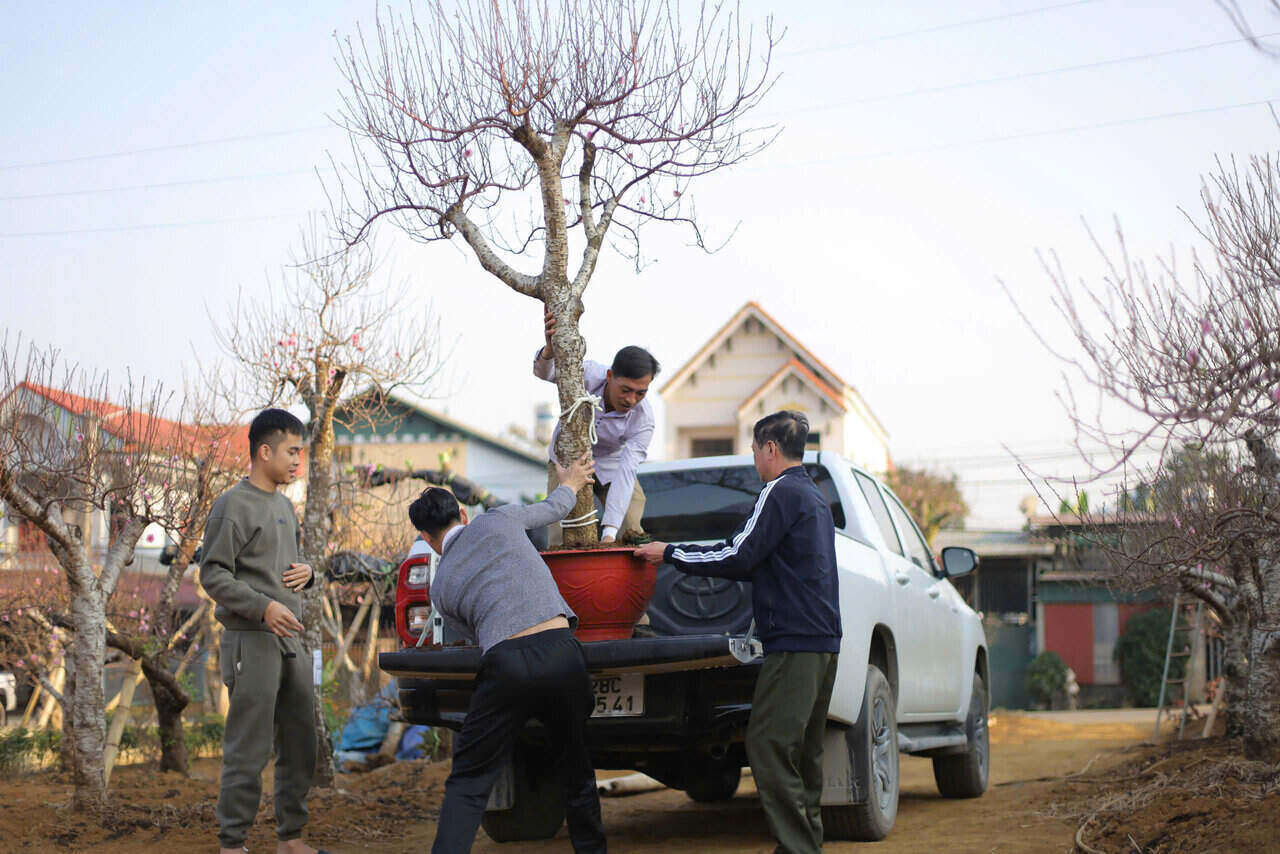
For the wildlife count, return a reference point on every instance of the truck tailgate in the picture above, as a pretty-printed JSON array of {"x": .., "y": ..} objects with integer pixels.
[{"x": 632, "y": 655}]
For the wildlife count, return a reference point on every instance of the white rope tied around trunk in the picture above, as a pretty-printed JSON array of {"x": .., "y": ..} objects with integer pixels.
[{"x": 594, "y": 402}]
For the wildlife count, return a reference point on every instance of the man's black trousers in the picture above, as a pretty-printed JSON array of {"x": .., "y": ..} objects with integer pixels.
[{"x": 541, "y": 676}]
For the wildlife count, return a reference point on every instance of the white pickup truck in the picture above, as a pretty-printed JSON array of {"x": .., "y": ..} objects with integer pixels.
[{"x": 912, "y": 677}]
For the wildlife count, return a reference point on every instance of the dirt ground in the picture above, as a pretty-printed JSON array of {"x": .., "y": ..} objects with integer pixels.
[{"x": 1037, "y": 801}]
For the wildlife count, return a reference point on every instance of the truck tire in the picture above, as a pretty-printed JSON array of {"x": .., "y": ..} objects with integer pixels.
[
  {"x": 713, "y": 782},
  {"x": 964, "y": 775},
  {"x": 875, "y": 759},
  {"x": 537, "y": 804}
]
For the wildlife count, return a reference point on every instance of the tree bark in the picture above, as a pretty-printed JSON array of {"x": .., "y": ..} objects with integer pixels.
[
  {"x": 170, "y": 701},
  {"x": 315, "y": 540},
  {"x": 1235, "y": 671},
  {"x": 67, "y": 750},
  {"x": 574, "y": 440},
  {"x": 88, "y": 722},
  {"x": 1262, "y": 704}
]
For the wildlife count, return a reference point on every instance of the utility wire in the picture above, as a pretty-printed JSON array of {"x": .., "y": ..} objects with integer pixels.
[
  {"x": 971, "y": 22},
  {"x": 1025, "y": 75},
  {"x": 162, "y": 185},
  {"x": 148, "y": 226},
  {"x": 271, "y": 134},
  {"x": 157, "y": 148},
  {"x": 1035, "y": 134}
]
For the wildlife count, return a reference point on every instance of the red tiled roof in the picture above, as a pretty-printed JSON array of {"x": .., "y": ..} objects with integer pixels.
[
  {"x": 140, "y": 428},
  {"x": 795, "y": 365}
]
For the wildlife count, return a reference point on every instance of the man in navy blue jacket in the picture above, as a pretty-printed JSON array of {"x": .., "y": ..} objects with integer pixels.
[{"x": 787, "y": 549}]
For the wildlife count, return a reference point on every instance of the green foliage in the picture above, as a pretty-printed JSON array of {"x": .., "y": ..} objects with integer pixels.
[
  {"x": 1079, "y": 508},
  {"x": 22, "y": 747},
  {"x": 1046, "y": 676},
  {"x": 1141, "y": 650}
]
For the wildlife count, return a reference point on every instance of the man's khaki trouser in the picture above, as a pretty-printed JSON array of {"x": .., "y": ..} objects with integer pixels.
[
  {"x": 272, "y": 704},
  {"x": 630, "y": 520},
  {"x": 784, "y": 744}
]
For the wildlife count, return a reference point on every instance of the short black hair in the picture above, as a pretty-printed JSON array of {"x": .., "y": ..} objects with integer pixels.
[
  {"x": 434, "y": 510},
  {"x": 634, "y": 363},
  {"x": 787, "y": 428},
  {"x": 268, "y": 423}
]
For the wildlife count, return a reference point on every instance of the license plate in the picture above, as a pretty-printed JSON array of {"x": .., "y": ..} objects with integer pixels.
[{"x": 618, "y": 696}]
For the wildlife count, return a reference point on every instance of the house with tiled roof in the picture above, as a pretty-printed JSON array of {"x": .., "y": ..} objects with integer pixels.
[{"x": 753, "y": 366}]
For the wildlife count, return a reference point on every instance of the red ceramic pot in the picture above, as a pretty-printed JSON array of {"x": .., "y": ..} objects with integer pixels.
[{"x": 607, "y": 588}]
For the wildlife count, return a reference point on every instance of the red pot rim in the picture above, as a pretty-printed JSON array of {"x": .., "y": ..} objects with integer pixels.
[{"x": 611, "y": 551}]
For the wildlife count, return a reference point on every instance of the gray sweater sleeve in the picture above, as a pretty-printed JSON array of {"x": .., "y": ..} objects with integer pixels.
[
  {"x": 222, "y": 541},
  {"x": 554, "y": 508}
]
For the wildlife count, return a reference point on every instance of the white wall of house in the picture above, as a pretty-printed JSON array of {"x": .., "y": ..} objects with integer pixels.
[
  {"x": 825, "y": 418},
  {"x": 708, "y": 403},
  {"x": 504, "y": 474}
]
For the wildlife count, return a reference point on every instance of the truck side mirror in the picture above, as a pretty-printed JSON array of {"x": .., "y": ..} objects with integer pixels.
[{"x": 958, "y": 560}]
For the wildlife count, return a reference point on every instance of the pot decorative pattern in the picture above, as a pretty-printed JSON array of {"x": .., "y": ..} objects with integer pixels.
[{"x": 607, "y": 588}]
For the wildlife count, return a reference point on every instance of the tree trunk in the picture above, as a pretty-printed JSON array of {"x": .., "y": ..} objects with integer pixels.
[
  {"x": 315, "y": 542},
  {"x": 1235, "y": 671},
  {"x": 1262, "y": 703},
  {"x": 574, "y": 440},
  {"x": 170, "y": 701},
  {"x": 1262, "y": 707},
  {"x": 67, "y": 749},
  {"x": 88, "y": 720}
]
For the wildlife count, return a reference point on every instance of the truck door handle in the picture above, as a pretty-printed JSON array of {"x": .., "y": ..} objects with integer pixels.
[
  {"x": 902, "y": 578},
  {"x": 934, "y": 592}
]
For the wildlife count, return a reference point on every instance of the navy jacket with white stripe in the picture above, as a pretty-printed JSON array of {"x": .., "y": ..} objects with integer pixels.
[{"x": 786, "y": 548}]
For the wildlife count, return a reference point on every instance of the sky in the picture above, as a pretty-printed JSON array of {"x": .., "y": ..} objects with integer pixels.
[{"x": 158, "y": 159}]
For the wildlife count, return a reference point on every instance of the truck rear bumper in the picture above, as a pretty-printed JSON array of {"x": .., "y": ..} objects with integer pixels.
[{"x": 633, "y": 655}]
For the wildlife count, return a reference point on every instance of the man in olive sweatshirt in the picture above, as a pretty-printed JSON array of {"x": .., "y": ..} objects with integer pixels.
[{"x": 250, "y": 567}]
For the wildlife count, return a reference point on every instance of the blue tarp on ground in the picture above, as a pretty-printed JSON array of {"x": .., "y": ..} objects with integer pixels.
[{"x": 367, "y": 726}]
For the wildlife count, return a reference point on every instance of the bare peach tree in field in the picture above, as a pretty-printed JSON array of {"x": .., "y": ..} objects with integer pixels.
[
  {"x": 1193, "y": 356},
  {"x": 335, "y": 340},
  {"x": 89, "y": 476},
  {"x": 544, "y": 128}
]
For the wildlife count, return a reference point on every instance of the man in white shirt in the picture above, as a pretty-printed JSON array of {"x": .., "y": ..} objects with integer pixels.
[{"x": 623, "y": 430}]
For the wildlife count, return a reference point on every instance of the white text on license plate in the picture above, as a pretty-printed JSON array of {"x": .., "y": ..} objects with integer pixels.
[{"x": 618, "y": 696}]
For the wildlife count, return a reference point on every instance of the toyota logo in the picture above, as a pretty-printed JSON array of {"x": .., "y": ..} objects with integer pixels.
[{"x": 701, "y": 598}]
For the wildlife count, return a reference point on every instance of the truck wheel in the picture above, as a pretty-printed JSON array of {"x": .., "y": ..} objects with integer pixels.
[
  {"x": 964, "y": 775},
  {"x": 713, "y": 782},
  {"x": 875, "y": 760},
  {"x": 537, "y": 804}
]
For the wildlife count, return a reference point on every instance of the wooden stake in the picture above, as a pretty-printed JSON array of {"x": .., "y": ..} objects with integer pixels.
[
  {"x": 31, "y": 705},
  {"x": 51, "y": 702},
  {"x": 121, "y": 719}
]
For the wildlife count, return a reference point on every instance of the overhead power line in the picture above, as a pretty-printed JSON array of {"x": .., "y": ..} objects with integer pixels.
[
  {"x": 192, "y": 182},
  {"x": 199, "y": 143},
  {"x": 956, "y": 25},
  {"x": 1024, "y": 75},
  {"x": 149, "y": 226},
  {"x": 1012, "y": 137}
]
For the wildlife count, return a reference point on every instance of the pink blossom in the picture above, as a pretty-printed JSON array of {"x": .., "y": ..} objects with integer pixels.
[
  {"x": 355, "y": 338},
  {"x": 642, "y": 200},
  {"x": 1205, "y": 328},
  {"x": 466, "y": 153},
  {"x": 1275, "y": 394},
  {"x": 133, "y": 615},
  {"x": 1193, "y": 356},
  {"x": 675, "y": 193},
  {"x": 19, "y": 612},
  {"x": 79, "y": 436},
  {"x": 1247, "y": 324}
]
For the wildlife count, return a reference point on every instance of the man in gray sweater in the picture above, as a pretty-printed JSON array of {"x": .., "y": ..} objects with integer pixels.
[
  {"x": 492, "y": 585},
  {"x": 250, "y": 567}
]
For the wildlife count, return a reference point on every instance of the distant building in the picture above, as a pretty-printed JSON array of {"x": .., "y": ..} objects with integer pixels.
[
  {"x": 1038, "y": 591},
  {"x": 753, "y": 366},
  {"x": 414, "y": 436}
]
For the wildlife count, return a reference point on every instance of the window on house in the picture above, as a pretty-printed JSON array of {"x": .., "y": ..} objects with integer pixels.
[{"x": 710, "y": 447}]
